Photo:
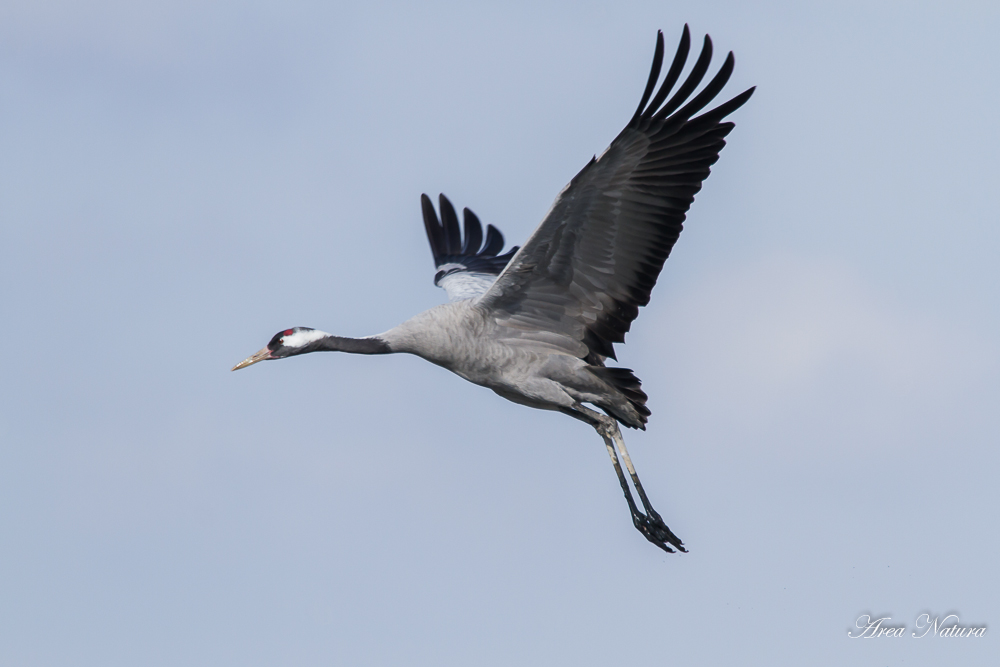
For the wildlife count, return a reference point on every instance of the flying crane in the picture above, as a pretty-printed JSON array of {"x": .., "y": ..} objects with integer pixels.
[{"x": 538, "y": 323}]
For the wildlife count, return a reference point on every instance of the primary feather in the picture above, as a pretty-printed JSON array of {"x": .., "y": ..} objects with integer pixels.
[{"x": 465, "y": 267}]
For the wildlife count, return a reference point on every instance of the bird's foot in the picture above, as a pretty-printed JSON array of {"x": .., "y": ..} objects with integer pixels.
[{"x": 657, "y": 532}]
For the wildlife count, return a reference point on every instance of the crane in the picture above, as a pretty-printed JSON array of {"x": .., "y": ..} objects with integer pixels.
[{"x": 537, "y": 324}]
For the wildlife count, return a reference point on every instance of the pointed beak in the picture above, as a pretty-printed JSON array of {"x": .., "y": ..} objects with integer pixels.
[{"x": 250, "y": 361}]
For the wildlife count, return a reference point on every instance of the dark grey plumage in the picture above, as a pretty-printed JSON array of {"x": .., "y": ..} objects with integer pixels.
[{"x": 596, "y": 257}]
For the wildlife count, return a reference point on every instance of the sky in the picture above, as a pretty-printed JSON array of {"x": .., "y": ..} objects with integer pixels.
[{"x": 181, "y": 180}]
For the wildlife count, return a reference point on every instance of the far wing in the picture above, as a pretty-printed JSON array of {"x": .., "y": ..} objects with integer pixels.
[
  {"x": 467, "y": 267},
  {"x": 578, "y": 282}
]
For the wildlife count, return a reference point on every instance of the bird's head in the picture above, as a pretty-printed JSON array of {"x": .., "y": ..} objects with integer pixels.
[{"x": 285, "y": 343}]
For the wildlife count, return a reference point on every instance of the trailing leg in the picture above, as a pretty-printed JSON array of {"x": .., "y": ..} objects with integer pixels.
[
  {"x": 656, "y": 525},
  {"x": 650, "y": 524}
]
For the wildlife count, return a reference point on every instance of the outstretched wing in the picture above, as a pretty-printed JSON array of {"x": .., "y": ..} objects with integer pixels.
[
  {"x": 465, "y": 267},
  {"x": 578, "y": 282}
]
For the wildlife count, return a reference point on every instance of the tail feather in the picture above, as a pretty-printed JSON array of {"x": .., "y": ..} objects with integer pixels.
[{"x": 625, "y": 381}]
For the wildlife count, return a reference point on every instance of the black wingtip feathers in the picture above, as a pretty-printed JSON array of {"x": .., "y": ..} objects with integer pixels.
[
  {"x": 655, "y": 110},
  {"x": 449, "y": 244}
]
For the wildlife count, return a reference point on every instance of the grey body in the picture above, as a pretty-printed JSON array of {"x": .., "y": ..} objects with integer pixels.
[
  {"x": 466, "y": 339},
  {"x": 537, "y": 324}
]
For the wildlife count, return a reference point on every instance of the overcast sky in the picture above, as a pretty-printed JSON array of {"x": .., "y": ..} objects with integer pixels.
[{"x": 180, "y": 180}]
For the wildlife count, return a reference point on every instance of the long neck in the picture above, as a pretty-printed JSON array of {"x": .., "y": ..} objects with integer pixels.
[{"x": 370, "y": 345}]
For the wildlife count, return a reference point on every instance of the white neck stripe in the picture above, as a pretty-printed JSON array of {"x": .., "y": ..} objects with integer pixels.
[{"x": 303, "y": 338}]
